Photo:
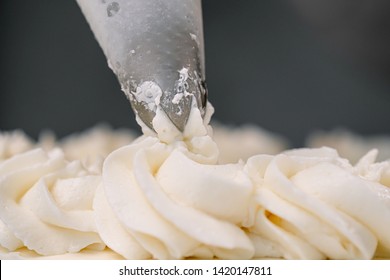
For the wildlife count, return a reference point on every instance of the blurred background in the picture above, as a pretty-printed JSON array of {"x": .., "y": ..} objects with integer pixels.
[{"x": 291, "y": 67}]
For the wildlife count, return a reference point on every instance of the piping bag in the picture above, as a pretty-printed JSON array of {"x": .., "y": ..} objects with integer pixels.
[{"x": 156, "y": 50}]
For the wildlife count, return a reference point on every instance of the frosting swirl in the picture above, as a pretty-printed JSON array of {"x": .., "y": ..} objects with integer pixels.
[
  {"x": 168, "y": 195},
  {"x": 313, "y": 204},
  {"x": 172, "y": 199},
  {"x": 46, "y": 204}
]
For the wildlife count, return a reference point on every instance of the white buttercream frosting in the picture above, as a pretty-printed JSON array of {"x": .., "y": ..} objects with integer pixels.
[
  {"x": 170, "y": 195},
  {"x": 314, "y": 204},
  {"x": 351, "y": 145},
  {"x": 240, "y": 143},
  {"x": 90, "y": 147},
  {"x": 171, "y": 198},
  {"x": 46, "y": 204},
  {"x": 13, "y": 143}
]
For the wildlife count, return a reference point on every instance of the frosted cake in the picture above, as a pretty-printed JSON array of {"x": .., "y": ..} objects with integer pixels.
[{"x": 172, "y": 195}]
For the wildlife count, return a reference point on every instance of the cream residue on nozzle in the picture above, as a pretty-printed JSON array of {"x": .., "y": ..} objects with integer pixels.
[{"x": 149, "y": 94}]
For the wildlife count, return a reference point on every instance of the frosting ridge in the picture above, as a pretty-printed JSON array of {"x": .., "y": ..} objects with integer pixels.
[
  {"x": 46, "y": 204},
  {"x": 147, "y": 186},
  {"x": 312, "y": 206},
  {"x": 166, "y": 195}
]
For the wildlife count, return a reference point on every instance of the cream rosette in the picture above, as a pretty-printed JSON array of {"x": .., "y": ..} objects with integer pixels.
[
  {"x": 92, "y": 146},
  {"x": 13, "y": 143},
  {"x": 253, "y": 141},
  {"x": 46, "y": 205},
  {"x": 312, "y": 204},
  {"x": 166, "y": 198}
]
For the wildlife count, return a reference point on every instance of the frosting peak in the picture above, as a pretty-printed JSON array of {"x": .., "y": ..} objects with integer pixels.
[{"x": 168, "y": 133}]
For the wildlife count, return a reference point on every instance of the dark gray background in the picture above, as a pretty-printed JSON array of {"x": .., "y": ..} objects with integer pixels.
[{"x": 288, "y": 66}]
